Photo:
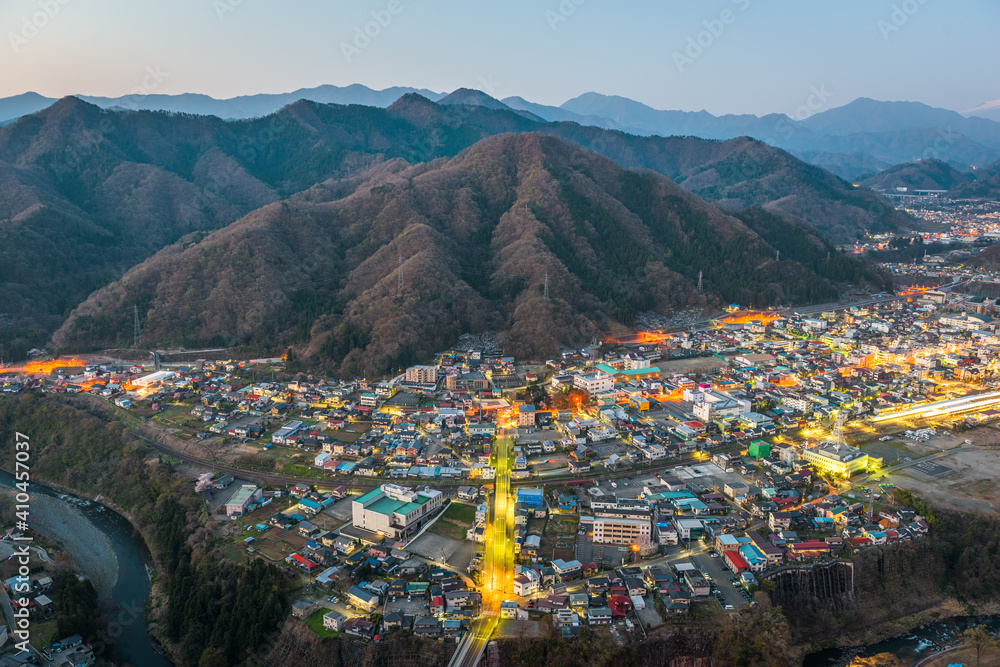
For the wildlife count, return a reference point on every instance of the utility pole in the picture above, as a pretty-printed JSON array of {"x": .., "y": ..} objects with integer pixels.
[
  {"x": 137, "y": 329},
  {"x": 546, "y": 286},
  {"x": 399, "y": 282}
]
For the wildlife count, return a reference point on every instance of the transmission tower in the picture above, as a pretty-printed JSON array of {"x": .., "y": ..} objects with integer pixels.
[
  {"x": 546, "y": 286},
  {"x": 137, "y": 329},
  {"x": 699, "y": 282},
  {"x": 827, "y": 256},
  {"x": 399, "y": 283},
  {"x": 838, "y": 428},
  {"x": 777, "y": 256}
]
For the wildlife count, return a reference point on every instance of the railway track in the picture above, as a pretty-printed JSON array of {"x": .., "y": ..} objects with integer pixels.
[{"x": 375, "y": 482}]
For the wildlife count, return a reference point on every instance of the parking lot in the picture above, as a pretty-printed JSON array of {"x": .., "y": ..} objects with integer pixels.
[
  {"x": 932, "y": 469},
  {"x": 731, "y": 593},
  {"x": 439, "y": 548},
  {"x": 415, "y": 606},
  {"x": 608, "y": 554}
]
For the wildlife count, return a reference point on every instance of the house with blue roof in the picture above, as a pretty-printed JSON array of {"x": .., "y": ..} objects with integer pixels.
[{"x": 754, "y": 557}]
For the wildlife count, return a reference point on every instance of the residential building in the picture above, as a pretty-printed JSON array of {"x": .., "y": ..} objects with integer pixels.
[
  {"x": 422, "y": 375},
  {"x": 620, "y": 530}
]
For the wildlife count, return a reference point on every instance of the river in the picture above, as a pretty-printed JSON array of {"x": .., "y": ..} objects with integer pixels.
[
  {"x": 112, "y": 554},
  {"x": 919, "y": 643}
]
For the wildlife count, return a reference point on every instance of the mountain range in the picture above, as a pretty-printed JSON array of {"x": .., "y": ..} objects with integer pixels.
[
  {"x": 91, "y": 193},
  {"x": 852, "y": 140},
  {"x": 475, "y": 238}
]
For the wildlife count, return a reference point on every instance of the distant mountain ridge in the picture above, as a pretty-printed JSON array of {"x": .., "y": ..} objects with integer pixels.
[
  {"x": 848, "y": 140},
  {"x": 234, "y": 108}
]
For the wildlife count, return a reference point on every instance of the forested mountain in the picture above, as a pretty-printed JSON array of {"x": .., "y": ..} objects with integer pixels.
[
  {"x": 477, "y": 235},
  {"x": 89, "y": 193},
  {"x": 985, "y": 183},
  {"x": 922, "y": 175}
]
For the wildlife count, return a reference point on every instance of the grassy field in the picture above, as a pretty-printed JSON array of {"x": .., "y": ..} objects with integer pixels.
[
  {"x": 455, "y": 521},
  {"x": 461, "y": 512},
  {"x": 300, "y": 470},
  {"x": 235, "y": 553},
  {"x": 345, "y": 436},
  {"x": 315, "y": 623}
]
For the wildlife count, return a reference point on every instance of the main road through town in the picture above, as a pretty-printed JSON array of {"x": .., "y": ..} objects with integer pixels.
[{"x": 498, "y": 563}]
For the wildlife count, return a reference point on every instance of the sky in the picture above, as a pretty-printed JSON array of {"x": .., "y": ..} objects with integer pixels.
[{"x": 724, "y": 56}]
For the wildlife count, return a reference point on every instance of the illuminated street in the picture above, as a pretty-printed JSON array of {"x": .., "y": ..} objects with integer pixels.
[{"x": 498, "y": 562}]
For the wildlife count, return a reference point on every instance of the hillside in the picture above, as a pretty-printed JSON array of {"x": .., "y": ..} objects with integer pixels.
[
  {"x": 477, "y": 235},
  {"x": 90, "y": 193},
  {"x": 986, "y": 183},
  {"x": 922, "y": 175}
]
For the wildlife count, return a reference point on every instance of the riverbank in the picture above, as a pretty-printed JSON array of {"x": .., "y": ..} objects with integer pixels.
[
  {"x": 133, "y": 591},
  {"x": 91, "y": 549},
  {"x": 910, "y": 639}
]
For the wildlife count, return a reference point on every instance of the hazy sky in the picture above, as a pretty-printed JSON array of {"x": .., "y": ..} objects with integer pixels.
[{"x": 754, "y": 56}]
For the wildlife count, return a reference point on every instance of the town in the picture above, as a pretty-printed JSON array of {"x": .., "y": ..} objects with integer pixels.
[{"x": 650, "y": 477}]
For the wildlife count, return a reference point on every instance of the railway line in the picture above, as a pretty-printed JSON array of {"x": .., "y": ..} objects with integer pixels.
[{"x": 374, "y": 482}]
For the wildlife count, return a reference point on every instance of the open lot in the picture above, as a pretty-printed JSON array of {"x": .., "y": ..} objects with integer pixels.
[
  {"x": 693, "y": 365},
  {"x": 440, "y": 548},
  {"x": 341, "y": 510},
  {"x": 455, "y": 522},
  {"x": 963, "y": 480}
]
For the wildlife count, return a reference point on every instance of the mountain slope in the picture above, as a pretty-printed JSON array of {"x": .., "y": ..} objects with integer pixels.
[
  {"x": 985, "y": 183},
  {"x": 477, "y": 233},
  {"x": 923, "y": 175},
  {"x": 93, "y": 192}
]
